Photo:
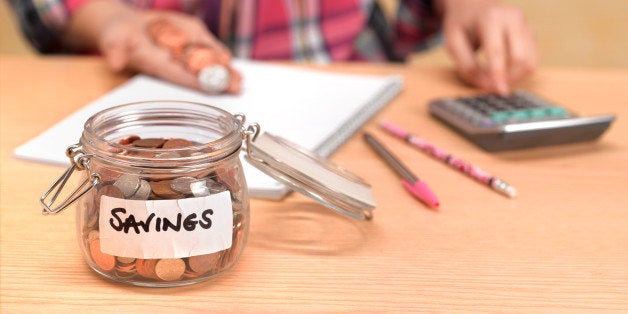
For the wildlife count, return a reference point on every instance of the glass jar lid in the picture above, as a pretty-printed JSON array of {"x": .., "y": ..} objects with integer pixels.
[{"x": 311, "y": 175}]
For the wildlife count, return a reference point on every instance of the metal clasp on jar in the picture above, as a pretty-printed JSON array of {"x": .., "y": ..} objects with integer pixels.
[{"x": 79, "y": 161}]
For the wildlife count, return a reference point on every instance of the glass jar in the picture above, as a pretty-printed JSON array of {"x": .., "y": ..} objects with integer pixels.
[
  {"x": 168, "y": 203},
  {"x": 163, "y": 199}
]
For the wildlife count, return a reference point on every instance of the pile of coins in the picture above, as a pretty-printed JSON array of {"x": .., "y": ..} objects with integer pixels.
[
  {"x": 211, "y": 65},
  {"x": 144, "y": 186}
]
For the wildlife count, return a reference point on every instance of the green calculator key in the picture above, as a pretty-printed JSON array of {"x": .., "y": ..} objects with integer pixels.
[
  {"x": 500, "y": 116},
  {"x": 538, "y": 113},
  {"x": 520, "y": 114},
  {"x": 557, "y": 111}
]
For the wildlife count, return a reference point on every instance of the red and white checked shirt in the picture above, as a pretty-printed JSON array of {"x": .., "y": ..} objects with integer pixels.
[{"x": 303, "y": 30}]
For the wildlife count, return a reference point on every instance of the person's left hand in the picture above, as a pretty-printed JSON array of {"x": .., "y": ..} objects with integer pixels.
[{"x": 491, "y": 44}]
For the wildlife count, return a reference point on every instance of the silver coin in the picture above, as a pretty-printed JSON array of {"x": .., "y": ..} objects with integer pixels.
[
  {"x": 143, "y": 192},
  {"x": 214, "y": 79},
  {"x": 128, "y": 184}
]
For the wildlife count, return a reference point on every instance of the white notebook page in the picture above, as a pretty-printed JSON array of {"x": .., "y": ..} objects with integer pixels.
[{"x": 309, "y": 107}]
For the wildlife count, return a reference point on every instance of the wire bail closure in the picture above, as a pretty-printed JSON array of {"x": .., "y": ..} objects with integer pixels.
[
  {"x": 79, "y": 161},
  {"x": 249, "y": 133}
]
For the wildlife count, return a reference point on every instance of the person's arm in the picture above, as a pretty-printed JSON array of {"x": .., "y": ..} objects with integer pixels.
[
  {"x": 491, "y": 44},
  {"x": 118, "y": 31}
]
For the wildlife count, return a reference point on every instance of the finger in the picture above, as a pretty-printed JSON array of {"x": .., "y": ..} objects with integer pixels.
[
  {"x": 522, "y": 55},
  {"x": 114, "y": 45},
  {"x": 493, "y": 45},
  {"x": 199, "y": 34},
  {"x": 157, "y": 62},
  {"x": 460, "y": 49}
]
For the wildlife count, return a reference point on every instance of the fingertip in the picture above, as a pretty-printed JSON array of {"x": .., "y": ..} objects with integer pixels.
[
  {"x": 116, "y": 58},
  {"x": 501, "y": 87}
]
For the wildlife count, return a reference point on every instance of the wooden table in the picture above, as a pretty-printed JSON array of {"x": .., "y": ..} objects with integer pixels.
[{"x": 561, "y": 245}]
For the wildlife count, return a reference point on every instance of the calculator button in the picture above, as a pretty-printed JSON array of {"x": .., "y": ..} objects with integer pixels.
[
  {"x": 557, "y": 112},
  {"x": 500, "y": 116},
  {"x": 520, "y": 115}
]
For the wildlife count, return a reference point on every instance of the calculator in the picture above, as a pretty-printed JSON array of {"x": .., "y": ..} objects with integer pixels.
[{"x": 516, "y": 121}]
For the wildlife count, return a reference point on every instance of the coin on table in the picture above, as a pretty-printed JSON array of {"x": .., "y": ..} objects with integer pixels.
[{"x": 170, "y": 269}]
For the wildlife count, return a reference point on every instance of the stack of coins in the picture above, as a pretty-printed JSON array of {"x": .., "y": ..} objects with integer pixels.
[
  {"x": 139, "y": 186},
  {"x": 211, "y": 65}
]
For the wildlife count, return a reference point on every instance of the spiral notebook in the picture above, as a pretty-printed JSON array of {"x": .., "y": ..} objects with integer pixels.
[{"x": 316, "y": 109}]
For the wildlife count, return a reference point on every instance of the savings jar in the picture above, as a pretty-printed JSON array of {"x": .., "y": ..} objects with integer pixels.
[{"x": 163, "y": 199}]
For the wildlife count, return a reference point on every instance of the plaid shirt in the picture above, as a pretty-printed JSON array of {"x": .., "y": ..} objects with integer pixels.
[{"x": 303, "y": 30}]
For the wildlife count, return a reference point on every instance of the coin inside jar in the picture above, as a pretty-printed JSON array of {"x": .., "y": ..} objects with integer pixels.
[
  {"x": 105, "y": 261},
  {"x": 203, "y": 263},
  {"x": 170, "y": 269},
  {"x": 128, "y": 184},
  {"x": 176, "y": 143}
]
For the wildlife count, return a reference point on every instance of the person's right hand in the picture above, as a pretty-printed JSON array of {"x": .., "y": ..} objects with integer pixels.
[
  {"x": 491, "y": 44},
  {"x": 119, "y": 33}
]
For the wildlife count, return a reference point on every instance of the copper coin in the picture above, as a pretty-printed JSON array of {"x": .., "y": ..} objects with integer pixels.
[
  {"x": 199, "y": 57},
  {"x": 167, "y": 155},
  {"x": 228, "y": 177},
  {"x": 149, "y": 142},
  {"x": 203, "y": 263},
  {"x": 110, "y": 190},
  {"x": 170, "y": 269},
  {"x": 183, "y": 185},
  {"x": 163, "y": 189},
  {"x": 167, "y": 35},
  {"x": 125, "y": 266},
  {"x": 176, "y": 143},
  {"x": 125, "y": 260},
  {"x": 104, "y": 261},
  {"x": 128, "y": 140},
  {"x": 146, "y": 268},
  {"x": 93, "y": 235}
]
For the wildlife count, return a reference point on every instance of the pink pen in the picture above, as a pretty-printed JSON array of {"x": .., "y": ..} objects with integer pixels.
[
  {"x": 472, "y": 171},
  {"x": 418, "y": 188}
]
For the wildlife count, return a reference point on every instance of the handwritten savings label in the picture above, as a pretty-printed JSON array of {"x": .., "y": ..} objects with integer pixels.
[{"x": 166, "y": 228}]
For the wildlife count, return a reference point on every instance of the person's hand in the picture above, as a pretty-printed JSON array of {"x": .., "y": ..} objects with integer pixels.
[
  {"x": 119, "y": 33},
  {"x": 491, "y": 44}
]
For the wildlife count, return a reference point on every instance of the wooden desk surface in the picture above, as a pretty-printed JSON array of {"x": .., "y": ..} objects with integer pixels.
[{"x": 561, "y": 245}]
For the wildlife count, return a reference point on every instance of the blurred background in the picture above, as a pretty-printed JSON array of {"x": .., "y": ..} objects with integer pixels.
[{"x": 570, "y": 33}]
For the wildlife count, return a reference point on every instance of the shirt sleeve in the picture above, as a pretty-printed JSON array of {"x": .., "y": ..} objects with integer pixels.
[
  {"x": 416, "y": 28},
  {"x": 42, "y": 22}
]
